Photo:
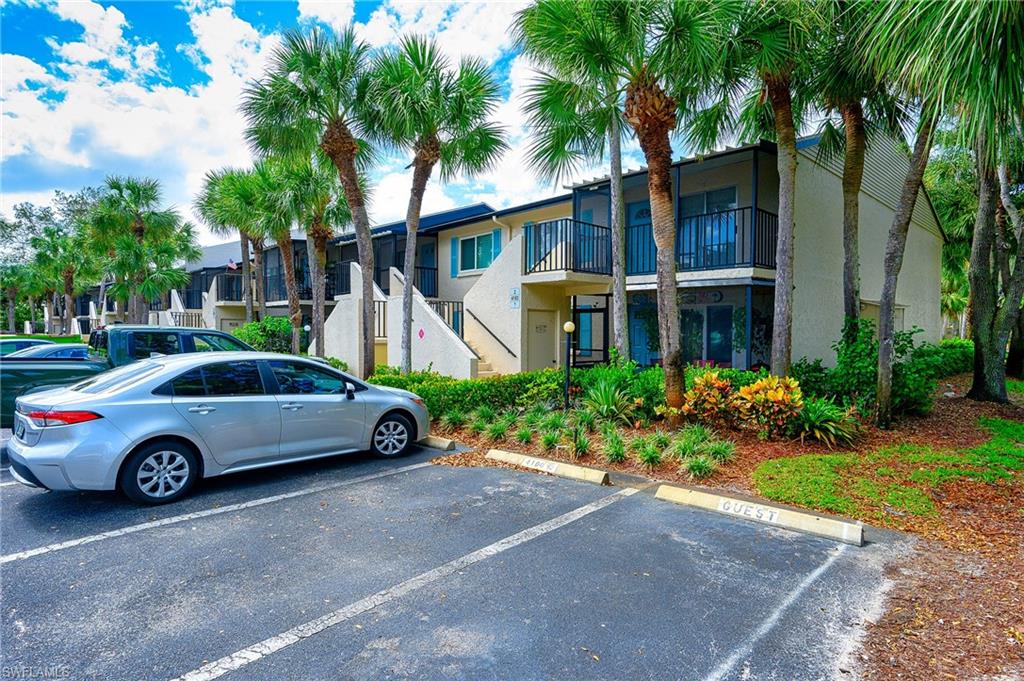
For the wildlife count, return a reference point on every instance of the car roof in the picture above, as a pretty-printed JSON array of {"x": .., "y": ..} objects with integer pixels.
[
  {"x": 147, "y": 327},
  {"x": 222, "y": 356}
]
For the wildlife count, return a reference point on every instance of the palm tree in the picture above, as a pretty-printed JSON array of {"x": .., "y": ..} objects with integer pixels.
[
  {"x": 314, "y": 96},
  {"x": 11, "y": 280},
  {"x": 132, "y": 206},
  {"x": 64, "y": 256},
  {"x": 417, "y": 103},
  {"x": 960, "y": 58},
  {"x": 575, "y": 107},
  {"x": 218, "y": 205}
]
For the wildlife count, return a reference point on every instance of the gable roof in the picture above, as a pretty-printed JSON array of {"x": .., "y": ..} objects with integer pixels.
[{"x": 428, "y": 223}]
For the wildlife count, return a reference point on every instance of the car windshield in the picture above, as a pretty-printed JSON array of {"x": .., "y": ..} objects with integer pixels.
[
  {"x": 45, "y": 351},
  {"x": 116, "y": 379}
]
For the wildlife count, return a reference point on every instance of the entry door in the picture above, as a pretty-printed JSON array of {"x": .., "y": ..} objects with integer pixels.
[
  {"x": 542, "y": 339},
  {"x": 720, "y": 334},
  {"x": 316, "y": 415}
]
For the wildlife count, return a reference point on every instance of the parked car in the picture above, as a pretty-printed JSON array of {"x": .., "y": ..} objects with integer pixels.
[
  {"x": 153, "y": 428},
  {"x": 113, "y": 347},
  {"x": 9, "y": 345},
  {"x": 53, "y": 351}
]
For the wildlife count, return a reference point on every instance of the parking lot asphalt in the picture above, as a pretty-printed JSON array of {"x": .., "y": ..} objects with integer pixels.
[{"x": 361, "y": 568}]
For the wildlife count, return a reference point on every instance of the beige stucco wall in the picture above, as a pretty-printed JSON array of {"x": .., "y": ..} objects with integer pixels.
[
  {"x": 343, "y": 326},
  {"x": 818, "y": 268},
  {"x": 488, "y": 300}
]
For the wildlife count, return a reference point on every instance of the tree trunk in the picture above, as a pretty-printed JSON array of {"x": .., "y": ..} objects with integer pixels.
[
  {"x": 785, "y": 133},
  {"x": 69, "y": 304},
  {"x": 620, "y": 328},
  {"x": 341, "y": 147},
  {"x": 426, "y": 157},
  {"x": 652, "y": 114},
  {"x": 261, "y": 293},
  {"x": 892, "y": 264},
  {"x": 320, "y": 234},
  {"x": 243, "y": 241},
  {"x": 12, "y": 325},
  {"x": 103, "y": 302},
  {"x": 284, "y": 242},
  {"x": 853, "y": 173},
  {"x": 32, "y": 313}
]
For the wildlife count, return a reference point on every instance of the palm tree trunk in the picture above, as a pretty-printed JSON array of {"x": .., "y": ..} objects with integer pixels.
[
  {"x": 69, "y": 306},
  {"x": 426, "y": 157},
  {"x": 785, "y": 132},
  {"x": 853, "y": 173},
  {"x": 320, "y": 233},
  {"x": 652, "y": 114},
  {"x": 341, "y": 147},
  {"x": 620, "y": 330},
  {"x": 894, "y": 248},
  {"x": 257, "y": 263},
  {"x": 32, "y": 312},
  {"x": 243, "y": 241},
  {"x": 284, "y": 242}
]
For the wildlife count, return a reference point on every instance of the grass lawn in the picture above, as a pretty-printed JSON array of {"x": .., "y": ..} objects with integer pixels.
[{"x": 1015, "y": 385}]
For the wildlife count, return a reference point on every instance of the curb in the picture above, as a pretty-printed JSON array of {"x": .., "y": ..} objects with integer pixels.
[
  {"x": 442, "y": 443},
  {"x": 565, "y": 470},
  {"x": 800, "y": 521}
]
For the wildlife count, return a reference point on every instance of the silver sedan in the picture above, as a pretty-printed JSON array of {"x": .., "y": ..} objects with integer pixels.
[{"x": 153, "y": 428}]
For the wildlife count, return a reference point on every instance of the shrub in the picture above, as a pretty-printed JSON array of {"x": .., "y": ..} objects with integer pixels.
[
  {"x": 822, "y": 420},
  {"x": 660, "y": 439},
  {"x": 769, "y": 404},
  {"x": 477, "y": 427},
  {"x": 609, "y": 402},
  {"x": 453, "y": 420},
  {"x": 950, "y": 356},
  {"x": 587, "y": 420},
  {"x": 580, "y": 444},
  {"x": 649, "y": 456},
  {"x": 524, "y": 435},
  {"x": 813, "y": 377},
  {"x": 614, "y": 448},
  {"x": 709, "y": 398},
  {"x": 549, "y": 440},
  {"x": 334, "y": 362},
  {"x": 270, "y": 334},
  {"x": 699, "y": 466},
  {"x": 644, "y": 388},
  {"x": 555, "y": 421},
  {"x": 535, "y": 415},
  {"x": 637, "y": 443},
  {"x": 737, "y": 377},
  {"x": 719, "y": 450},
  {"x": 497, "y": 430},
  {"x": 484, "y": 413}
]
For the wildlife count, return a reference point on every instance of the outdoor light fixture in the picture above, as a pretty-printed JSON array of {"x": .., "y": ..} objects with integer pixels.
[{"x": 569, "y": 329}]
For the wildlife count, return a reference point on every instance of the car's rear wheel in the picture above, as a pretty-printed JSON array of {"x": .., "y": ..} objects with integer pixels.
[
  {"x": 159, "y": 473},
  {"x": 392, "y": 436}
]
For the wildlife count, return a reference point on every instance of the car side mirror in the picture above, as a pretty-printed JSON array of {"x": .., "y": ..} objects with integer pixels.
[{"x": 350, "y": 391}]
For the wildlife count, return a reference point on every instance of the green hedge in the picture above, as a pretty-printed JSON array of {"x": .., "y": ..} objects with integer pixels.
[{"x": 271, "y": 334}]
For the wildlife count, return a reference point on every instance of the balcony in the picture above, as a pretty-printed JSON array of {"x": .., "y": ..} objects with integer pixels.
[
  {"x": 276, "y": 290},
  {"x": 566, "y": 245},
  {"x": 739, "y": 237},
  {"x": 229, "y": 288},
  {"x": 425, "y": 279}
]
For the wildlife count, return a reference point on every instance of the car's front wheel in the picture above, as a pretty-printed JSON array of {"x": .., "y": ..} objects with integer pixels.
[
  {"x": 159, "y": 473},
  {"x": 392, "y": 436}
]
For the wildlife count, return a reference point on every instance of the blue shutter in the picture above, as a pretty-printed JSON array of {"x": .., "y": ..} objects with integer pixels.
[
  {"x": 495, "y": 244},
  {"x": 455, "y": 256}
]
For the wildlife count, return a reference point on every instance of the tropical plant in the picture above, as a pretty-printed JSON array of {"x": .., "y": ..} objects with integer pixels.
[
  {"x": 609, "y": 402},
  {"x": 586, "y": 419},
  {"x": 524, "y": 435},
  {"x": 822, "y": 420},
  {"x": 691, "y": 440},
  {"x": 649, "y": 456},
  {"x": 555, "y": 421},
  {"x": 498, "y": 430},
  {"x": 477, "y": 427},
  {"x": 719, "y": 450},
  {"x": 453, "y": 420},
  {"x": 579, "y": 443},
  {"x": 418, "y": 103},
  {"x": 709, "y": 399},
  {"x": 12, "y": 277},
  {"x": 769, "y": 405},
  {"x": 700, "y": 466},
  {"x": 313, "y": 97},
  {"x": 614, "y": 448},
  {"x": 549, "y": 440},
  {"x": 484, "y": 413}
]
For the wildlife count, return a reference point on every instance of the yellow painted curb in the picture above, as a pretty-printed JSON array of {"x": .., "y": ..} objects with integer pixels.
[
  {"x": 801, "y": 521},
  {"x": 442, "y": 443},
  {"x": 565, "y": 470}
]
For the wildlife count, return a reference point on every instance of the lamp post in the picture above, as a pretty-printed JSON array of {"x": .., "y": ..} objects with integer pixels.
[{"x": 569, "y": 328}]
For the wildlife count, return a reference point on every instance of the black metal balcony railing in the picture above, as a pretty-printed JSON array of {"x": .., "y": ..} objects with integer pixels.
[
  {"x": 342, "y": 278},
  {"x": 569, "y": 245},
  {"x": 451, "y": 311},
  {"x": 229, "y": 288},
  {"x": 276, "y": 289},
  {"x": 380, "y": 319},
  {"x": 192, "y": 299},
  {"x": 732, "y": 238},
  {"x": 425, "y": 281}
]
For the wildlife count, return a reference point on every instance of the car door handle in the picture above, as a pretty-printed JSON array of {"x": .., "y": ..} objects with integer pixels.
[
  {"x": 201, "y": 409},
  {"x": 292, "y": 406}
]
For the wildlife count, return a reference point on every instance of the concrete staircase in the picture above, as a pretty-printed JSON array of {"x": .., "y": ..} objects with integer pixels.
[{"x": 483, "y": 367}]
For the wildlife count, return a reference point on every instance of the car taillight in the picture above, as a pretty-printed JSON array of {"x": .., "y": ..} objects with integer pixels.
[{"x": 46, "y": 419}]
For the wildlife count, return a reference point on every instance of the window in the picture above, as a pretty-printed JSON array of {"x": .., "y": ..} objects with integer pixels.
[
  {"x": 144, "y": 343},
  {"x": 71, "y": 353},
  {"x": 476, "y": 252},
  {"x": 116, "y": 378},
  {"x": 209, "y": 342},
  {"x": 299, "y": 378},
  {"x": 232, "y": 378},
  {"x": 189, "y": 384}
]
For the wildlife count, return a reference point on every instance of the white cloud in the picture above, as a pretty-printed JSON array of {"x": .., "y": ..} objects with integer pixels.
[{"x": 335, "y": 13}]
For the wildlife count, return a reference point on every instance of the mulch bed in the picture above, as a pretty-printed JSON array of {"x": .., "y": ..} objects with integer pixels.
[{"x": 956, "y": 608}]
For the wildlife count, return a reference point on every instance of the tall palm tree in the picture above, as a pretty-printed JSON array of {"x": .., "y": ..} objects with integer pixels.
[
  {"x": 64, "y": 257},
  {"x": 314, "y": 95},
  {"x": 133, "y": 206},
  {"x": 960, "y": 58},
  {"x": 218, "y": 205},
  {"x": 11, "y": 281},
  {"x": 418, "y": 103},
  {"x": 575, "y": 108}
]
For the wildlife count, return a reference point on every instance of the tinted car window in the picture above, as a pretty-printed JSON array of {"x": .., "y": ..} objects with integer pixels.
[
  {"x": 232, "y": 378},
  {"x": 71, "y": 353},
  {"x": 144, "y": 343},
  {"x": 298, "y": 378},
  {"x": 208, "y": 342},
  {"x": 189, "y": 384},
  {"x": 116, "y": 378}
]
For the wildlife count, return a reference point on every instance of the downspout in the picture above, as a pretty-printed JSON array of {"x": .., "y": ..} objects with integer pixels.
[{"x": 494, "y": 218}]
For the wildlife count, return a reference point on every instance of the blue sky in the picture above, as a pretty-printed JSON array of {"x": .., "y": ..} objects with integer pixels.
[{"x": 151, "y": 88}]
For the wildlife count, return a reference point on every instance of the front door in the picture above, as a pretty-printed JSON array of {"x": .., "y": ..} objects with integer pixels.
[
  {"x": 720, "y": 334},
  {"x": 226, "y": 404},
  {"x": 542, "y": 339},
  {"x": 316, "y": 416}
]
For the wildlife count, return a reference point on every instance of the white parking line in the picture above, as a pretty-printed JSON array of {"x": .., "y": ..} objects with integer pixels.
[
  {"x": 255, "y": 652},
  {"x": 744, "y": 650},
  {"x": 9, "y": 483},
  {"x": 131, "y": 529}
]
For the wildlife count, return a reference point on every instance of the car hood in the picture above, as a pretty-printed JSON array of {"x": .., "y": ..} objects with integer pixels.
[{"x": 398, "y": 391}]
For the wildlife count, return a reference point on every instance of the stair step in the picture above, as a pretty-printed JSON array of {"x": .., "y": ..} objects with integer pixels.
[
  {"x": 485, "y": 374},
  {"x": 483, "y": 366}
]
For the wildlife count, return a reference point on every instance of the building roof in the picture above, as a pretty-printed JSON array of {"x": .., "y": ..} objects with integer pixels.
[
  {"x": 428, "y": 223},
  {"x": 216, "y": 256}
]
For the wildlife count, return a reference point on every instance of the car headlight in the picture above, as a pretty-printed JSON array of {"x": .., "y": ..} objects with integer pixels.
[{"x": 419, "y": 401}]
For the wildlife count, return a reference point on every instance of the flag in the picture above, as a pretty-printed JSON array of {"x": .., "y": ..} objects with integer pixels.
[{"x": 231, "y": 264}]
